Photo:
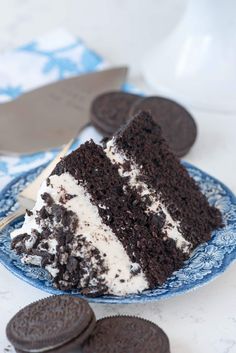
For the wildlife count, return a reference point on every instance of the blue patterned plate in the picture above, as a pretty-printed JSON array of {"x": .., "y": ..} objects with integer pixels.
[{"x": 207, "y": 262}]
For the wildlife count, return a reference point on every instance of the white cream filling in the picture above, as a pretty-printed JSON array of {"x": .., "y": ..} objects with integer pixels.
[
  {"x": 171, "y": 227},
  {"x": 32, "y": 259},
  {"x": 94, "y": 231},
  {"x": 30, "y": 222},
  {"x": 52, "y": 270}
]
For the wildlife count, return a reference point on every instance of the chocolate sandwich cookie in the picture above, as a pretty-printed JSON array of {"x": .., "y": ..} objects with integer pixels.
[
  {"x": 126, "y": 334},
  {"x": 178, "y": 126},
  {"x": 55, "y": 324},
  {"x": 110, "y": 110}
]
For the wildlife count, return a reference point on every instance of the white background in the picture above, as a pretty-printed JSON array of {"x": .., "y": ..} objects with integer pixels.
[{"x": 123, "y": 31}]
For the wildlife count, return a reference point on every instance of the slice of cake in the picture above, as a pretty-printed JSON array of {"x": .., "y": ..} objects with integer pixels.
[{"x": 116, "y": 219}]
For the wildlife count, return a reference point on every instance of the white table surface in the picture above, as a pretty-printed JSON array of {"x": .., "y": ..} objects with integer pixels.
[{"x": 197, "y": 322}]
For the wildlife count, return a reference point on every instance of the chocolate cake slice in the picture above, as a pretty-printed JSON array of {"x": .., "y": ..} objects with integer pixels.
[{"x": 116, "y": 219}]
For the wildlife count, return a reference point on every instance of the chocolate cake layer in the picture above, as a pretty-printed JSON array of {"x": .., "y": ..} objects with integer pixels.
[
  {"x": 123, "y": 210},
  {"x": 142, "y": 142}
]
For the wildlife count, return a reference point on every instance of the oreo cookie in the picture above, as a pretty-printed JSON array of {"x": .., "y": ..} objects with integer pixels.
[
  {"x": 54, "y": 324},
  {"x": 178, "y": 126},
  {"x": 110, "y": 110},
  {"x": 122, "y": 334}
]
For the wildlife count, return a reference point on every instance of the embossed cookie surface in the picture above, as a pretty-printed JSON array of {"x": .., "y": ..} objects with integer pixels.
[
  {"x": 51, "y": 323},
  {"x": 126, "y": 334},
  {"x": 109, "y": 111}
]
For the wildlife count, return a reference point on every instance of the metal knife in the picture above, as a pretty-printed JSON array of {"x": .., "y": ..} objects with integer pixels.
[{"x": 49, "y": 116}]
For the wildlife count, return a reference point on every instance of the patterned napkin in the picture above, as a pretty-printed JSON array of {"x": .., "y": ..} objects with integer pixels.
[{"x": 52, "y": 57}]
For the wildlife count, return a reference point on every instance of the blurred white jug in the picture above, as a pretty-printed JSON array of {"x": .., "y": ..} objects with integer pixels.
[{"x": 196, "y": 63}]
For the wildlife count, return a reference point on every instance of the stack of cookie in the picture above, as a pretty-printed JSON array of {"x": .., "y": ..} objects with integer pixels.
[
  {"x": 111, "y": 110},
  {"x": 66, "y": 324}
]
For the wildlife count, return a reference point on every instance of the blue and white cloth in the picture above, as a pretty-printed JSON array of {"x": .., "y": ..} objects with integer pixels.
[{"x": 52, "y": 57}]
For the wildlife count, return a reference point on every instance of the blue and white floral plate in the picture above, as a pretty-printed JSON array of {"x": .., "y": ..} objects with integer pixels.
[{"x": 206, "y": 263}]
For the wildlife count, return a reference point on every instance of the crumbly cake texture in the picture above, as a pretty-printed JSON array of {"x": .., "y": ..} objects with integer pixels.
[
  {"x": 116, "y": 219},
  {"x": 164, "y": 173},
  {"x": 178, "y": 126}
]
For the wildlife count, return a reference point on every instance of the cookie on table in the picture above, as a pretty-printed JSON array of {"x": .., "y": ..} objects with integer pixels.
[
  {"x": 178, "y": 126},
  {"x": 126, "y": 334},
  {"x": 109, "y": 111},
  {"x": 54, "y": 324}
]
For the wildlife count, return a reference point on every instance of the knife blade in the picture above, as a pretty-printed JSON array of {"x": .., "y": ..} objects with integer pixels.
[{"x": 49, "y": 116}]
